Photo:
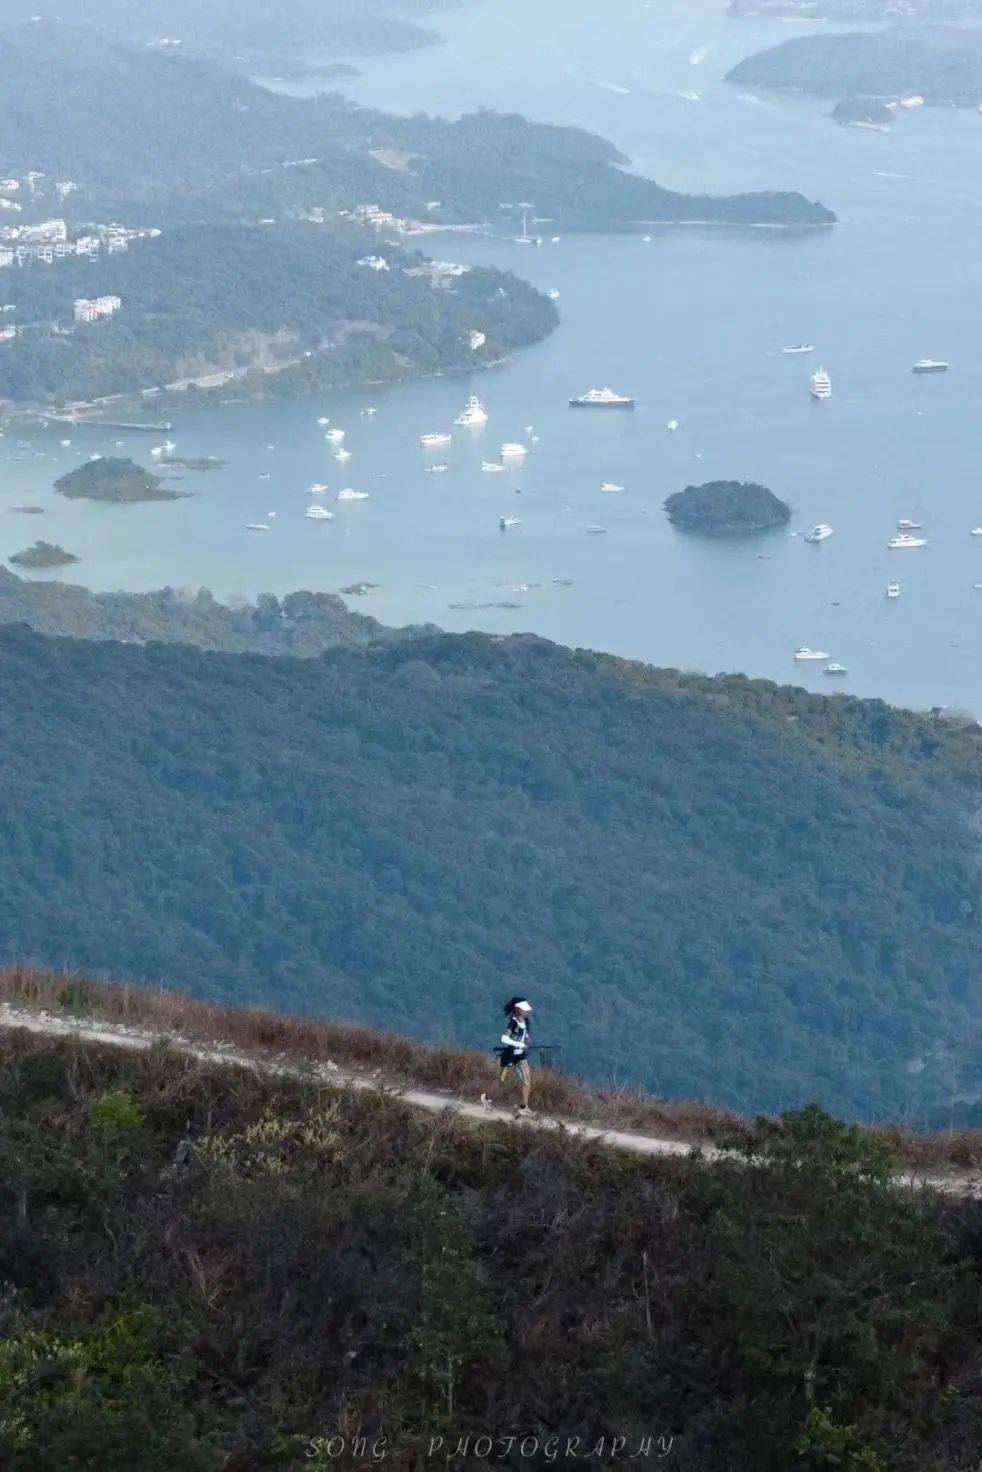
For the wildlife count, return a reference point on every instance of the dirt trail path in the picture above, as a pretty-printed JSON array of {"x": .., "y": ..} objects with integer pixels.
[{"x": 141, "y": 1040}]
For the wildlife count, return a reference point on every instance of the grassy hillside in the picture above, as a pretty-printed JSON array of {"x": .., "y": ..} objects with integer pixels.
[
  {"x": 208, "y": 1269},
  {"x": 942, "y": 63},
  {"x": 716, "y": 888}
]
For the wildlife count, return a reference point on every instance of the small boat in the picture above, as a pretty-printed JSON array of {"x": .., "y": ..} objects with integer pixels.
[
  {"x": 835, "y": 669},
  {"x": 611, "y": 487},
  {"x": 903, "y": 525},
  {"x": 903, "y": 540},
  {"x": 257, "y": 526},
  {"x": 473, "y": 413},
  {"x": 976, "y": 531},
  {"x": 646, "y": 240},
  {"x": 64, "y": 444},
  {"x": 601, "y": 398},
  {"x": 511, "y": 451},
  {"x": 805, "y": 653},
  {"x": 893, "y": 590},
  {"x": 596, "y": 531},
  {"x": 490, "y": 468},
  {"x": 798, "y": 347},
  {"x": 350, "y": 495},
  {"x": 555, "y": 239},
  {"x": 820, "y": 385},
  {"x": 431, "y": 440},
  {"x": 819, "y": 533},
  {"x": 440, "y": 469},
  {"x": 264, "y": 475},
  {"x": 157, "y": 450},
  {"x": 342, "y": 455},
  {"x": 929, "y": 365},
  {"x": 319, "y": 513},
  {"x": 672, "y": 426},
  {"x": 317, "y": 489},
  {"x": 553, "y": 295},
  {"x": 368, "y": 412},
  {"x": 323, "y": 421},
  {"x": 508, "y": 521}
]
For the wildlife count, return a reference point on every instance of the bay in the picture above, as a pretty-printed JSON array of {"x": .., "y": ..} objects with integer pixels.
[{"x": 692, "y": 324}]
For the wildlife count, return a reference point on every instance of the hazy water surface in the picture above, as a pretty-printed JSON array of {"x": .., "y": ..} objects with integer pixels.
[{"x": 692, "y": 324}]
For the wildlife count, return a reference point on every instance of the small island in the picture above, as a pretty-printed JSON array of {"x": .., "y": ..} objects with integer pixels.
[
  {"x": 863, "y": 112},
  {"x": 114, "y": 479},
  {"x": 43, "y": 555},
  {"x": 727, "y": 506}
]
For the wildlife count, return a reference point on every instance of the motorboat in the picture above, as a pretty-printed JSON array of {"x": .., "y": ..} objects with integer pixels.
[
  {"x": 798, "y": 347},
  {"x": 257, "y": 526},
  {"x": 368, "y": 412},
  {"x": 490, "y": 468},
  {"x": 672, "y": 426},
  {"x": 473, "y": 413},
  {"x": 893, "y": 590},
  {"x": 903, "y": 540},
  {"x": 820, "y": 385},
  {"x": 804, "y": 653},
  {"x": 511, "y": 451},
  {"x": 903, "y": 525},
  {"x": 601, "y": 398},
  {"x": 508, "y": 521},
  {"x": 440, "y": 469},
  {"x": 264, "y": 475},
  {"x": 317, "y": 489},
  {"x": 611, "y": 486},
  {"x": 335, "y": 436},
  {"x": 819, "y": 533},
  {"x": 976, "y": 531},
  {"x": 342, "y": 455},
  {"x": 596, "y": 531},
  {"x": 350, "y": 495},
  {"x": 319, "y": 513},
  {"x": 929, "y": 365},
  {"x": 835, "y": 669},
  {"x": 553, "y": 294},
  {"x": 430, "y": 441},
  {"x": 323, "y": 421}
]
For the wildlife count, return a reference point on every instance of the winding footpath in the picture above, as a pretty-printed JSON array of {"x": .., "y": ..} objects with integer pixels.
[{"x": 140, "y": 1040}]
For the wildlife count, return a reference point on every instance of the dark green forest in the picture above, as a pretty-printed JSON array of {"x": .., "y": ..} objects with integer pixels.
[
  {"x": 230, "y": 297},
  {"x": 717, "y": 888},
  {"x": 207, "y": 1269}
]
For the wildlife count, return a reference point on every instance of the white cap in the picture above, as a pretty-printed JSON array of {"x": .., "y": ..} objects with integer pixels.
[{"x": 523, "y": 1006}]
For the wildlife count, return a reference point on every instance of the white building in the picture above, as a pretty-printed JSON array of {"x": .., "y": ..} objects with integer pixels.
[
  {"x": 6, "y": 256},
  {"x": 46, "y": 233},
  {"x": 96, "y": 308}
]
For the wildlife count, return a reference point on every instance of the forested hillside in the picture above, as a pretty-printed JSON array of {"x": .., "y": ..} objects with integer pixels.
[
  {"x": 227, "y": 297},
  {"x": 207, "y": 1269},
  {"x": 715, "y": 887}
]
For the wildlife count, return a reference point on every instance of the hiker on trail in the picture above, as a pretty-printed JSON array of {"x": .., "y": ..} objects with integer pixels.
[{"x": 513, "y": 1051}]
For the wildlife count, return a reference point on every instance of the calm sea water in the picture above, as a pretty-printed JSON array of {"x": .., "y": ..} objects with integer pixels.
[{"x": 692, "y": 324}]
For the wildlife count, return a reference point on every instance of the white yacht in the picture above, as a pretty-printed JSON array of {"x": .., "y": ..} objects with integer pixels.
[
  {"x": 369, "y": 412},
  {"x": 64, "y": 444},
  {"x": 473, "y": 413},
  {"x": 257, "y": 526},
  {"x": 601, "y": 398},
  {"x": 491, "y": 468},
  {"x": 596, "y": 531},
  {"x": 553, "y": 294},
  {"x": 342, "y": 455},
  {"x": 929, "y": 365},
  {"x": 821, "y": 385},
  {"x": 317, "y": 489},
  {"x": 805, "y": 653},
  {"x": 352, "y": 495},
  {"x": 335, "y": 436},
  {"x": 904, "y": 539},
  {"x": 893, "y": 590},
  {"x": 508, "y": 521},
  {"x": 672, "y": 426},
  {"x": 835, "y": 669},
  {"x": 819, "y": 533},
  {"x": 903, "y": 525},
  {"x": 510, "y": 451},
  {"x": 440, "y": 469},
  {"x": 319, "y": 513},
  {"x": 323, "y": 421},
  {"x": 430, "y": 441},
  {"x": 799, "y": 347},
  {"x": 976, "y": 531},
  {"x": 611, "y": 487}
]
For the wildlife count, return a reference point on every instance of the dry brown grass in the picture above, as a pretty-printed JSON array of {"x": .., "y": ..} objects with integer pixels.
[{"x": 401, "y": 1061}]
